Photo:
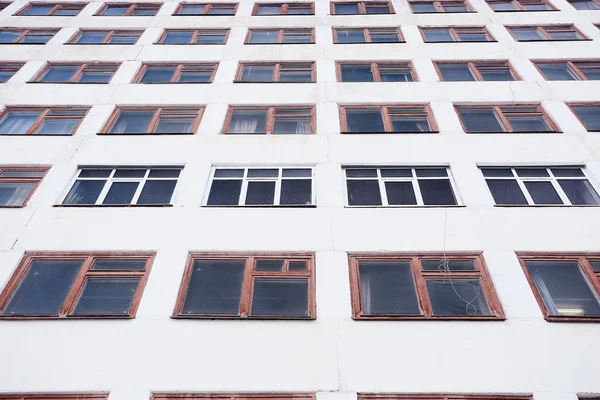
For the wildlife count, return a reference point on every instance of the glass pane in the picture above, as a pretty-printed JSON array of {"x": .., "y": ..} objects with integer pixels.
[
  {"x": 260, "y": 193},
  {"x": 294, "y": 37},
  {"x": 5, "y": 76},
  {"x": 423, "y": 7},
  {"x": 84, "y": 192},
  {"x": 378, "y": 36},
  {"x": 121, "y": 193},
  {"x": 437, "y": 35},
  {"x": 503, "y": 6},
  {"x": 396, "y": 173},
  {"x": 557, "y": 72},
  {"x": 431, "y": 172},
  {"x": 473, "y": 37},
  {"x": 363, "y": 173},
  {"x": 9, "y": 36},
  {"x": 563, "y": 35},
  {"x": 295, "y": 76},
  {"x": 158, "y": 74},
  {"x": 210, "y": 39},
  {"x": 543, "y": 193},
  {"x": 229, "y": 173},
  {"x": 364, "y": 120},
  {"x": 496, "y": 75},
  {"x": 14, "y": 194},
  {"x": 591, "y": 74},
  {"x": 497, "y": 172},
  {"x": 480, "y": 120},
  {"x": 263, "y": 173},
  {"x": 44, "y": 288},
  {"x": 91, "y": 38},
  {"x": 595, "y": 265},
  {"x": 115, "y": 10},
  {"x": 221, "y": 11},
  {"x": 36, "y": 39},
  {"x": 178, "y": 37},
  {"x": 119, "y": 265},
  {"x": 506, "y": 191},
  {"x": 191, "y": 9},
  {"x": 589, "y": 115},
  {"x": 363, "y": 193},
  {"x": 292, "y": 125},
  {"x": 280, "y": 297},
  {"x": 532, "y": 172},
  {"x": 130, "y": 173},
  {"x": 264, "y": 37},
  {"x": 157, "y": 192},
  {"x": 579, "y": 191},
  {"x": 18, "y": 122},
  {"x": 528, "y": 124},
  {"x": 457, "y": 297},
  {"x": 164, "y": 173},
  {"x": 59, "y": 73},
  {"x": 448, "y": 265},
  {"x": 132, "y": 122},
  {"x": 585, "y": 5},
  {"x": 61, "y": 126},
  {"x": 175, "y": 125},
  {"x": 224, "y": 193},
  {"x": 144, "y": 11},
  {"x": 296, "y": 192},
  {"x": 195, "y": 76},
  {"x": 525, "y": 34},
  {"x": 437, "y": 192},
  {"x": 350, "y": 36},
  {"x": 410, "y": 124},
  {"x": 38, "y": 10},
  {"x": 305, "y": 10},
  {"x": 564, "y": 289},
  {"x": 296, "y": 173},
  {"x": 567, "y": 172},
  {"x": 248, "y": 121},
  {"x": 62, "y": 12},
  {"x": 21, "y": 174},
  {"x": 456, "y": 72},
  {"x": 123, "y": 40},
  {"x": 95, "y": 173},
  {"x": 268, "y": 10},
  {"x": 346, "y": 9},
  {"x": 357, "y": 73},
  {"x": 95, "y": 77},
  {"x": 395, "y": 76},
  {"x": 301, "y": 265},
  {"x": 106, "y": 296},
  {"x": 400, "y": 193},
  {"x": 387, "y": 288},
  {"x": 455, "y": 8},
  {"x": 258, "y": 73},
  {"x": 376, "y": 9},
  {"x": 269, "y": 265},
  {"x": 215, "y": 287}
]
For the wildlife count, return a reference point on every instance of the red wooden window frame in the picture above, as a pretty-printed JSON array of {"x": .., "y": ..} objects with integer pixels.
[
  {"x": 542, "y": 30},
  {"x": 270, "y": 124},
  {"x": 130, "y": 11},
  {"x": 280, "y": 36},
  {"x": 278, "y": 67},
  {"x": 519, "y": 4},
  {"x": 419, "y": 277},
  {"x": 475, "y": 66},
  {"x": 17, "y": 168},
  {"x": 284, "y": 8},
  {"x": 386, "y": 115},
  {"x": 376, "y": 66},
  {"x": 56, "y": 7},
  {"x": 362, "y": 7},
  {"x": 110, "y": 33},
  {"x": 503, "y": 121},
  {"x": 83, "y": 67},
  {"x": 180, "y": 67},
  {"x": 13, "y": 67},
  {"x": 583, "y": 259},
  {"x": 207, "y": 8},
  {"x": 77, "y": 287},
  {"x": 367, "y": 33},
  {"x": 31, "y": 32},
  {"x": 45, "y": 113},
  {"x": 571, "y": 65},
  {"x": 572, "y": 107},
  {"x": 455, "y": 33},
  {"x": 250, "y": 274},
  {"x": 158, "y": 114},
  {"x": 194, "y": 38},
  {"x": 439, "y": 5}
]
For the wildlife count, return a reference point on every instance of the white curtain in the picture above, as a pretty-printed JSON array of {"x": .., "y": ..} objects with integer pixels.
[
  {"x": 544, "y": 292},
  {"x": 243, "y": 125},
  {"x": 303, "y": 126},
  {"x": 365, "y": 294},
  {"x": 14, "y": 194}
]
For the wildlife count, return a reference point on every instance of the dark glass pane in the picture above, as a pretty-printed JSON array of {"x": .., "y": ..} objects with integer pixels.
[
  {"x": 263, "y": 173},
  {"x": 106, "y": 296},
  {"x": 121, "y": 193},
  {"x": 174, "y": 125},
  {"x": 595, "y": 265},
  {"x": 400, "y": 193},
  {"x": 18, "y": 122},
  {"x": 291, "y": 37},
  {"x": 269, "y": 265},
  {"x": 258, "y": 73},
  {"x": 295, "y": 76},
  {"x": 473, "y": 37},
  {"x": 9, "y": 36},
  {"x": 14, "y": 194},
  {"x": 210, "y": 39},
  {"x": 563, "y": 35},
  {"x": 456, "y": 72},
  {"x": 84, "y": 192},
  {"x": 91, "y": 38},
  {"x": 364, "y": 120},
  {"x": 363, "y": 193},
  {"x": 60, "y": 73},
  {"x": 387, "y": 288},
  {"x": 297, "y": 125},
  {"x": 164, "y": 173},
  {"x": 528, "y": 124},
  {"x": 130, "y": 173},
  {"x": 437, "y": 192},
  {"x": 364, "y": 173},
  {"x": 158, "y": 74},
  {"x": 346, "y": 9},
  {"x": 215, "y": 287},
  {"x": 229, "y": 173},
  {"x": 557, "y": 72},
  {"x": 123, "y": 40},
  {"x": 248, "y": 121},
  {"x": 296, "y": 173},
  {"x": 543, "y": 193},
  {"x": 567, "y": 172},
  {"x": 44, "y": 288},
  {"x": 395, "y": 75},
  {"x": 38, "y": 10},
  {"x": 448, "y": 265},
  {"x": 457, "y": 297},
  {"x": 585, "y": 5},
  {"x": 431, "y": 172},
  {"x": 21, "y": 174},
  {"x": 144, "y": 12},
  {"x": 178, "y": 37},
  {"x": 95, "y": 173},
  {"x": 579, "y": 191},
  {"x": 480, "y": 120},
  {"x": 66, "y": 12},
  {"x": 350, "y": 36},
  {"x": 503, "y": 6},
  {"x": 132, "y": 122},
  {"x": 157, "y": 192},
  {"x": 264, "y": 37},
  {"x": 62, "y": 126},
  {"x": 260, "y": 193},
  {"x": 296, "y": 192},
  {"x": 384, "y": 36},
  {"x": 301, "y": 265},
  {"x": 195, "y": 76},
  {"x": 438, "y": 35},
  {"x": 497, "y": 172},
  {"x": 423, "y": 8},
  {"x": 5, "y": 76},
  {"x": 410, "y": 124},
  {"x": 496, "y": 75},
  {"x": 95, "y": 77},
  {"x": 395, "y": 173},
  {"x": 115, "y": 10},
  {"x": 590, "y": 116},
  {"x": 224, "y": 193},
  {"x": 506, "y": 191},
  {"x": 280, "y": 297},
  {"x": 268, "y": 10},
  {"x": 357, "y": 73},
  {"x": 591, "y": 74},
  {"x": 191, "y": 9},
  {"x": 564, "y": 289},
  {"x": 526, "y": 34},
  {"x": 119, "y": 265}
]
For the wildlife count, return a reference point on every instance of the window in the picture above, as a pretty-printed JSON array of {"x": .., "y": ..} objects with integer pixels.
[
  {"x": 277, "y": 72},
  {"x": 123, "y": 186},
  {"x": 26, "y": 36},
  {"x": 176, "y": 73},
  {"x": 569, "y": 70},
  {"x": 3, "y": 6},
  {"x": 441, "y": 6},
  {"x": 7, "y": 70},
  {"x": 375, "y": 72},
  {"x": 149, "y": 120},
  {"x": 268, "y": 186},
  {"x": 367, "y": 35},
  {"x": 456, "y": 34},
  {"x": 281, "y": 36},
  {"x": 76, "y": 73},
  {"x": 17, "y": 184},
  {"x": 56, "y": 9},
  {"x": 265, "y": 285},
  {"x": 106, "y": 37},
  {"x": 284, "y": 9},
  {"x": 270, "y": 120},
  {"x": 361, "y": 7},
  {"x": 206, "y": 9},
  {"x": 47, "y": 285},
  {"x": 399, "y": 186},
  {"x": 41, "y": 121},
  {"x": 540, "y": 33},
  {"x": 422, "y": 286},
  {"x": 588, "y": 114},
  {"x": 461, "y": 71},
  {"x": 520, "y": 5},
  {"x": 540, "y": 186},
  {"x": 585, "y": 4},
  {"x": 129, "y": 9},
  {"x": 413, "y": 118},
  {"x": 505, "y": 118},
  {"x": 198, "y": 36},
  {"x": 566, "y": 286}
]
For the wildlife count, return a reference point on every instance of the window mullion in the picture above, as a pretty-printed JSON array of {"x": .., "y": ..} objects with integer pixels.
[
  {"x": 78, "y": 73},
  {"x": 367, "y": 34},
  {"x": 53, "y": 10},
  {"x": 76, "y": 288},
  {"x": 107, "y": 184},
  {"x": 270, "y": 123},
  {"x": 38, "y": 122},
  {"x": 277, "y": 197},
  {"x": 559, "y": 190},
  {"x": 385, "y": 115},
  {"x": 177, "y": 74},
  {"x": 276, "y": 72},
  {"x": 382, "y": 191},
  {"x": 421, "y": 288},
  {"x": 503, "y": 120},
  {"x": 523, "y": 188},
  {"x": 207, "y": 9},
  {"x": 154, "y": 121},
  {"x": 244, "y": 190},
  {"x": 454, "y": 34},
  {"x": 246, "y": 295},
  {"x": 577, "y": 71},
  {"x": 475, "y": 71},
  {"x": 141, "y": 184}
]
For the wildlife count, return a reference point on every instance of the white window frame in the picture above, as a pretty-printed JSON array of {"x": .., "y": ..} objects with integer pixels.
[
  {"x": 245, "y": 179},
  {"x": 414, "y": 180},
  {"x": 552, "y": 179},
  {"x": 110, "y": 180}
]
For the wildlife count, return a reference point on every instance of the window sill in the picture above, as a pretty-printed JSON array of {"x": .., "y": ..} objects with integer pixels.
[
  {"x": 281, "y": 44},
  {"x": 390, "y": 133},
  {"x": 464, "y": 41},
  {"x": 265, "y": 134},
  {"x": 171, "y": 83},
  {"x": 112, "y": 205},
  {"x": 422, "y": 318},
  {"x": 573, "y": 319},
  {"x": 36, "y": 134},
  {"x": 145, "y": 134},
  {"x": 100, "y": 44},
  {"x": 439, "y": 12},
  {"x": 527, "y": 11},
  {"x": 515, "y": 133},
  {"x": 203, "y": 15},
  {"x": 68, "y": 83},
  {"x": 372, "y": 42},
  {"x": 553, "y": 41},
  {"x": 547, "y": 205},
  {"x": 189, "y": 44},
  {"x": 261, "y": 206},
  {"x": 237, "y": 318},
  {"x": 270, "y": 82},
  {"x": 54, "y": 318},
  {"x": 410, "y": 206},
  {"x": 23, "y": 206}
]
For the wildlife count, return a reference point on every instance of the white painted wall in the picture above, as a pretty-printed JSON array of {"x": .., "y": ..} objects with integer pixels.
[{"x": 333, "y": 356}]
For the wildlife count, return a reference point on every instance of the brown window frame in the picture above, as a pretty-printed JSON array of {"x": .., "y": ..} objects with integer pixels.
[
  {"x": 367, "y": 34},
  {"x": 546, "y": 37},
  {"x": 583, "y": 104},
  {"x": 55, "y": 396},
  {"x": 270, "y": 123},
  {"x": 56, "y": 7},
  {"x": 250, "y": 274},
  {"x": 83, "y": 67},
  {"x": 33, "y": 32},
  {"x": 434, "y": 396},
  {"x": 362, "y": 6},
  {"x": 180, "y": 67},
  {"x": 44, "y": 114},
  {"x": 455, "y": 35},
  {"x": 419, "y": 277},
  {"x": 284, "y": 7},
  {"x": 110, "y": 33},
  {"x": 195, "y": 34},
  {"x": 503, "y": 121},
  {"x": 158, "y": 110},
  {"x": 278, "y": 66},
  {"x": 570, "y": 65},
  {"x": 25, "y": 168},
  {"x": 280, "y": 36},
  {"x": 519, "y": 5},
  {"x": 385, "y": 116},
  {"x": 10, "y": 66},
  {"x": 439, "y": 6},
  {"x": 582, "y": 258},
  {"x": 130, "y": 10},
  {"x": 474, "y": 67},
  {"x": 70, "y": 302},
  {"x": 3, "y": 5},
  {"x": 207, "y": 8},
  {"x": 376, "y": 66}
]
